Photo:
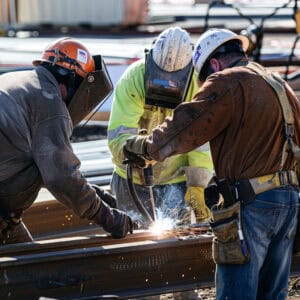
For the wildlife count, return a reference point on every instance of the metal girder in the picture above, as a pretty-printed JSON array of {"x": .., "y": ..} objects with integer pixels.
[
  {"x": 141, "y": 264},
  {"x": 50, "y": 219},
  {"x": 92, "y": 267}
]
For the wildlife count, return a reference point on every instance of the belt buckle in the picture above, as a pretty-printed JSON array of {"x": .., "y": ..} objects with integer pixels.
[
  {"x": 282, "y": 177},
  {"x": 289, "y": 177}
]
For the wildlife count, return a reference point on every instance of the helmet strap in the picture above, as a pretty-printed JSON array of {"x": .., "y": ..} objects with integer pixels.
[{"x": 66, "y": 77}]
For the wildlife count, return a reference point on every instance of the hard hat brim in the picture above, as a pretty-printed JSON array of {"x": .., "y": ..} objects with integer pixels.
[{"x": 37, "y": 62}]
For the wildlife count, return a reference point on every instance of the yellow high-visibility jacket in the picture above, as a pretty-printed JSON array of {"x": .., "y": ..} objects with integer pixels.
[{"x": 129, "y": 114}]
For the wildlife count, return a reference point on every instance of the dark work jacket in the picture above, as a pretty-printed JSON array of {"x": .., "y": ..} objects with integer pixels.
[
  {"x": 35, "y": 130},
  {"x": 238, "y": 112}
]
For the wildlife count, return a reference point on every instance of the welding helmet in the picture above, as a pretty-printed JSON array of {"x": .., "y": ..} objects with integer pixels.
[
  {"x": 168, "y": 68},
  {"x": 85, "y": 77},
  {"x": 211, "y": 41}
]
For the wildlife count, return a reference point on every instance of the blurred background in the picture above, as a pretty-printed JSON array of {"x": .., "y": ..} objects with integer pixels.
[{"x": 120, "y": 30}]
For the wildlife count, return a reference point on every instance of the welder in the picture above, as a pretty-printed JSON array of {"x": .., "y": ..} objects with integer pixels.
[
  {"x": 39, "y": 108},
  {"x": 147, "y": 92},
  {"x": 252, "y": 119}
]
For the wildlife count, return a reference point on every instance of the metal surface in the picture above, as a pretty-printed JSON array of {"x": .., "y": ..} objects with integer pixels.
[
  {"x": 91, "y": 267},
  {"x": 124, "y": 268},
  {"x": 51, "y": 218}
]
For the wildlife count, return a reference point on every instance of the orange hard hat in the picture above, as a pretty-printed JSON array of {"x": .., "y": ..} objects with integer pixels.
[{"x": 70, "y": 54}]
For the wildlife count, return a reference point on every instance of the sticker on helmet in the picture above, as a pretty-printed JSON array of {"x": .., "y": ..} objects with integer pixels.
[
  {"x": 82, "y": 56},
  {"x": 197, "y": 54}
]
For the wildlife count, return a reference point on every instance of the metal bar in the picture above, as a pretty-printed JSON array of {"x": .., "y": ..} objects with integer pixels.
[
  {"x": 51, "y": 218},
  {"x": 124, "y": 270},
  {"x": 141, "y": 264}
]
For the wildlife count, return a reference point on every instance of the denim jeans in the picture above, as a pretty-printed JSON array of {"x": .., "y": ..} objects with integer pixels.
[
  {"x": 269, "y": 224},
  {"x": 169, "y": 199}
]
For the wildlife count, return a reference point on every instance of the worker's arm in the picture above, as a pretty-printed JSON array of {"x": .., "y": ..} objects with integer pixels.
[
  {"x": 59, "y": 168},
  {"x": 127, "y": 109},
  {"x": 194, "y": 124}
]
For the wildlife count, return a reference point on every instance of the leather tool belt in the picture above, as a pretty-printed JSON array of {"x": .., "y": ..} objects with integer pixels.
[
  {"x": 268, "y": 182},
  {"x": 245, "y": 190},
  {"x": 224, "y": 199}
]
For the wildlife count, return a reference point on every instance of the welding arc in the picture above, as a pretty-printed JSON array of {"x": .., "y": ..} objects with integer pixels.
[{"x": 134, "y": 195}]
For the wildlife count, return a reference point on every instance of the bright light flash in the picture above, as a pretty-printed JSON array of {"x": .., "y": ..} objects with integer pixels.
[{"x": 162, "y": 224}]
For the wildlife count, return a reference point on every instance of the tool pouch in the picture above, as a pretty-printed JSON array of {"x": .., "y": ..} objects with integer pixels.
[
  {"x": 216, "y": 188},
  {"x": 211, "y": 195},
  {"x": 228, "y": 245}
]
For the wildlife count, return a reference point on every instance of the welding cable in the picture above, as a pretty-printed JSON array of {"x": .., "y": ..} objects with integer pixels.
[{"x": 134, "y": 195}]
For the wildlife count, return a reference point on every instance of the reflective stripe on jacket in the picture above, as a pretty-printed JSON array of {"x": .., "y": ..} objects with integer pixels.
[{"x": 130, "y": 113}]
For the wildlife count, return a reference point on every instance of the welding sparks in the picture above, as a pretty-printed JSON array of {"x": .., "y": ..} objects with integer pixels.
[{"x": 162, "y": 223}]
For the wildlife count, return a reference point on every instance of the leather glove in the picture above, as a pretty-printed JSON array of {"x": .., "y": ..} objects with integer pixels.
[
  {"x": 135, "y": 151},
  {"x": 194, "y": 197},
  {"x": 136, "y": 144},
  {"x": 114, "y": 221},
  {"x": 135, "y": 160},
  {"x": 107, "y": 197}
]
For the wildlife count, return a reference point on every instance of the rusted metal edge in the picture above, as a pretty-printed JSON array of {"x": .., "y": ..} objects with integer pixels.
[
  {"x": 87, "y": 238},
  {"x": 124, "y": 270},
  {"x": 131, "y": 267},
  {"x": 50, "y": 218}
]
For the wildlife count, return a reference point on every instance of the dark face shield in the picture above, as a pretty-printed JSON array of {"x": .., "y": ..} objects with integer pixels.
[
  {"x": 95, "y": 88},
  {"x": 166, "y": 89}
]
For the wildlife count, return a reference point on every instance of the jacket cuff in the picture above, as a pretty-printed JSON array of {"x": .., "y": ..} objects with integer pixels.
[{"x": 196, "y": 176}]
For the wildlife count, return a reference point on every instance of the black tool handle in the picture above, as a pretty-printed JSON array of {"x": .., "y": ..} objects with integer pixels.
[{"x": 148, "y": 176}]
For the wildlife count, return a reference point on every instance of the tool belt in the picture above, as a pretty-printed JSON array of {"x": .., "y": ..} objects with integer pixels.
[
  {"x": 228, "y": 244},
  {"x": 224, "y": 199},
  {"x": 268, "y": 182},
  {"x": 245, "y": 190}
]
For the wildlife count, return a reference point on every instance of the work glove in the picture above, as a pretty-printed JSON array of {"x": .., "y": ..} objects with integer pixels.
[
  {"x": 194, "y": 197},
  {"x": 107, "y": 197},
  {"x": 114, "y": 221},
  {"x": 135, "y": 151},
  {"x": 196, "y": 179}
]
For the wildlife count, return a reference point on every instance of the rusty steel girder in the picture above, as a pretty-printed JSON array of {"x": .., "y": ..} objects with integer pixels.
[
  {"x": 96, "y": 266},
  {"x": 72, "y": 258},
  {"x": 141, "y": 264},
  {"x": 50, "y": 219}
]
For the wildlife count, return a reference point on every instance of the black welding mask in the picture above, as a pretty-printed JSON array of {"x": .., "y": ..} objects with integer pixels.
[
  {"x": 94, "y": 88},
  {"x": 165, "y": 89}
]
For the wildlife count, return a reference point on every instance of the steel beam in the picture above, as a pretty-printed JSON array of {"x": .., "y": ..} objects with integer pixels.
[
  {"x": 91, "y": 267},
  {"x": 123, "y": 268}
]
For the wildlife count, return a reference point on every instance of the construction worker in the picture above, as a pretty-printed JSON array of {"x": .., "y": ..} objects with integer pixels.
[
  {"x": 147, "y": 92},
  {"x": 38, "y": 108},
  {"x": 252, "y": 119}
]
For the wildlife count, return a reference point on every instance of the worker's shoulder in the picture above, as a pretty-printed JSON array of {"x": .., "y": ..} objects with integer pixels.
[{"x": 233, "y": 76}]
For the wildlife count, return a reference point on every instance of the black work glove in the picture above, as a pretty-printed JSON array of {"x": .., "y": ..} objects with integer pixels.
[
  {"x": 114, "y": 221},
  {"x": 135, "y": 151},
  {"x": 107, "y": 197},
  {"x": 135, "y": 160}
]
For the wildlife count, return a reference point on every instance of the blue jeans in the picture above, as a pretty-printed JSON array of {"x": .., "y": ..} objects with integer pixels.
[
  {"x": 269, "y": 224},
  {"x": 169, "y": 199}
]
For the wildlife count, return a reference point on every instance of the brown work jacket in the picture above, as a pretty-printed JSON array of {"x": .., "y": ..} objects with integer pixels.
[
  {"x": 239, "y": 113},
  {"x": 35, "y": 130}
]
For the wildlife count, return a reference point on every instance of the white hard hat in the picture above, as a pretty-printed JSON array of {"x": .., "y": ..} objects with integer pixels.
[
  {"x": 212, "y": 39},
  {"x": 173, "y": 49}
]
